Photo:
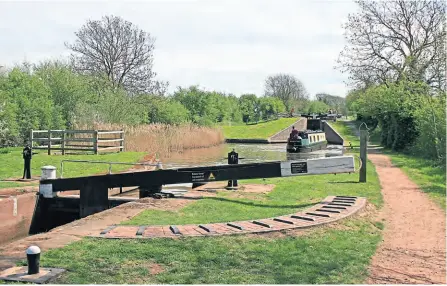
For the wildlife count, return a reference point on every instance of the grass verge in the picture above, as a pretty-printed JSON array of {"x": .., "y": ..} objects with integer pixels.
[
  {"x": 324, "y": 256},
  {"x": 289, "y": 195},
  {"x": 430, "y": 178},
  {"x": 257, "y": 131},
  {"x": 12, "y": 164}
]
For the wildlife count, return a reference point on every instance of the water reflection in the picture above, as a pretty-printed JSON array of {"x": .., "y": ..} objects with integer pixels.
[{"x": 251, "y": 153}]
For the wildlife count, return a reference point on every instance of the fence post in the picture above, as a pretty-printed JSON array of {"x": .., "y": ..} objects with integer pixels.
[
  {"x": 31, "y": 138},
  {"x": 95, "y": 141},
  {"x": 122, "y": 141},
  {"x": 363, "y": 154},
  {"x": 49, "y": 142},
  {"x": 63, "y": 142}
]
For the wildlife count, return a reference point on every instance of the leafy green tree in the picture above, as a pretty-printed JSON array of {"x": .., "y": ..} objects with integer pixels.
[
  {"x": 31, "y": 99},
  {"x": 270, "y": 107},
  {"x": 316, "y": 106},
  {"x": 249, "y": 104}
]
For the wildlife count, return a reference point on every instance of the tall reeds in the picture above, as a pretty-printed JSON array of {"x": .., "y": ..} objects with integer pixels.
[{"x": 163, "y": 139}]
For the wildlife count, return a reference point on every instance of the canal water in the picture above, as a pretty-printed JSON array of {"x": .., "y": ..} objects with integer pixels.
[{"x": 250, "y": 153}]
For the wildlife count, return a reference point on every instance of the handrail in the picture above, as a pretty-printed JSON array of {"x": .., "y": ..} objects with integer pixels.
[{"x": 158, "y": 164}]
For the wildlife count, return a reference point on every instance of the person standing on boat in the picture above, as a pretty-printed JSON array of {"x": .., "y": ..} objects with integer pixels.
[{"x": 294, "y": 132}]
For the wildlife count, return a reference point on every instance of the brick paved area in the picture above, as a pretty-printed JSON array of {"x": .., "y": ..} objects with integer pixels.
[{"x": 331, "y": 209}]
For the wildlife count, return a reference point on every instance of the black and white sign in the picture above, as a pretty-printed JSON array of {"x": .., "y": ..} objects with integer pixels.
[
  {"x": 202, "y": 176},
  {"x": 298, "y": 167}
]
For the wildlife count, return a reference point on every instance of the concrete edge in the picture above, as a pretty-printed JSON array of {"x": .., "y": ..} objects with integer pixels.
[
  {"x": 335, "y": 131},
  {"x": 270, "y": 138}
]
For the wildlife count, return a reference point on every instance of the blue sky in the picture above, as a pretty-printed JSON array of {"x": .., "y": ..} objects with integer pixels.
[{"x": 229, "y": 46}]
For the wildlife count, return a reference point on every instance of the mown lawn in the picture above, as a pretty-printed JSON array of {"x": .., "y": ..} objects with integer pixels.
[
  {"x": 12, "y": 164},
  {"x": 289, "y": 195},
  {"x": 257, "y": 131},
  {"x": 325, "y": 256},
  {"x": 430, "y": 177}
]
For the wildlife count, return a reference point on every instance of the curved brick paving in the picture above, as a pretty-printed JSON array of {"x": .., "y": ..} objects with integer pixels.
[{"x": 329, "y": 210}]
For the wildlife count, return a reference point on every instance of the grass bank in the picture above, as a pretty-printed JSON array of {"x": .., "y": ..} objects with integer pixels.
[
  {"x": 430, "y": 177},
  {"x": 330, "y": 255},
  {"x": 12, "y": 164},
  {"x": 325, "y": 256},
  {"x": 257, "y": 131},
  {"x": 289, "y": 195}
]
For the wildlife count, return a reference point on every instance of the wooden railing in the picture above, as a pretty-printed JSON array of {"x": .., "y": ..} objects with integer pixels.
[{"x": 77, "y": 140}]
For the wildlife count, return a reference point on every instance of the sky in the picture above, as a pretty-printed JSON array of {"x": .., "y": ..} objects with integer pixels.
[{"x": 228, "y": 45}]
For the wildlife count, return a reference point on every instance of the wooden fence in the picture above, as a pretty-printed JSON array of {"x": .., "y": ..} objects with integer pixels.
[{"x": 77, "y": 140}]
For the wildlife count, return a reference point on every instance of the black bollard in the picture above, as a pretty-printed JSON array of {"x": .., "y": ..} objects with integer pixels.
[
  {"x": 233, "y": 159},
  {"x": 33, "y": 257},
  {"x": 27, "y": 153}
]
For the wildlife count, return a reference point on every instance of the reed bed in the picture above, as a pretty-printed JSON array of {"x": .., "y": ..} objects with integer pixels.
[{"x": 163, "y": 139}]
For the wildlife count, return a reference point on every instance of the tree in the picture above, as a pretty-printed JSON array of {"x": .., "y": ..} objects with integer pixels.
[
  {"x": 390, "y": 41},
  {"x": 118, "y": 49},
  {"x": 287, "y": 88}
]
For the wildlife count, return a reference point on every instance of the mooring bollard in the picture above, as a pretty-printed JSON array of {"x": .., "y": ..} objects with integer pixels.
[
  {"x": 33, "y": 257},
  {"x": 233, "y": 159},
  {"x": 27, "y": 154},
  {"x": 48, "y": 172}
]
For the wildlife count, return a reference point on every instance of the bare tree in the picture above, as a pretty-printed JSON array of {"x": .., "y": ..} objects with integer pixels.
[
  {"x": 392, "y": 40},
  {"x": 118, "y": 49},
  {"x": 287, "y": 88}
]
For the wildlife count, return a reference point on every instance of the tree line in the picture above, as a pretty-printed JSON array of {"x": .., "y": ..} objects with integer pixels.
[
  {"x": 109, "y": 78},
  {"x": 396, "y": 60}
]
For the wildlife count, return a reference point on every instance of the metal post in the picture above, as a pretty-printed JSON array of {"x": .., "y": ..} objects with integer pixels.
[
  {"x": 49, "y": 142},
  {"x": 63, "y": 142},
  {"x": 233, "y": 159},
  {"x": 363, "y": 154},
  {"x": 33, "y": 257},
  {"x": 122, "y": 141},
  {"x": 95, "y": 141},
  {"x": 31, "y": 138}
]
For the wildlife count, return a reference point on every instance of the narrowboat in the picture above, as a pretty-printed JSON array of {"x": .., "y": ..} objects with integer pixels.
[{"x": 307, "y": 141}]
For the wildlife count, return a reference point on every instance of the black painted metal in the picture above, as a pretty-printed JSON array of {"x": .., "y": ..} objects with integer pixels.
[
  {"x": 261, "y": 223},
  {"x": 340, "y": 204},
  {"x": 343, "y": 202},
  {"x": 171, "y": 176},
  {"x": 141, "y": 230},
  {"x": 94, "y": 198},
  {"x": 314, "y": 214},
  {"x": 105, "y": 231},
  {"x": 328, "y": 211},
  {"x": 337, "y": 208},
  {"x": 206, "y": 228},
  {"x": 174, "y": 229},
  {"x": 347, "y": 197},
  {"x": 283, "y": 220},
  {"x": 235, "y": 226},
  {"x": 302, "y": 217}
]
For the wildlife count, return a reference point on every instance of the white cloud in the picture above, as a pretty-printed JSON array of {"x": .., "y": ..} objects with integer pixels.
[{"x": 224, "y": 45}]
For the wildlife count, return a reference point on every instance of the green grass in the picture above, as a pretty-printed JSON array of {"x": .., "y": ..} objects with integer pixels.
[
  {"x": 257, "y": 131},
  {"x": 430, "y": 178},
  {"x": 289, "y": 195},
  {"x": 346, "y": 132},
  {"x": 320, "y": 257},
  {"x": 12, "y": 164}
]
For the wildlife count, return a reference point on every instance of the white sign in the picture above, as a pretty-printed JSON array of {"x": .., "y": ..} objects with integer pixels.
[{"x": 331, "y": 165}]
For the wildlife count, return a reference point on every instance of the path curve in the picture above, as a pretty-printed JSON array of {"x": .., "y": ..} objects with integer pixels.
[
  {"x": 331, "y": 209},
  {"x": 413, "y": 249}
]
